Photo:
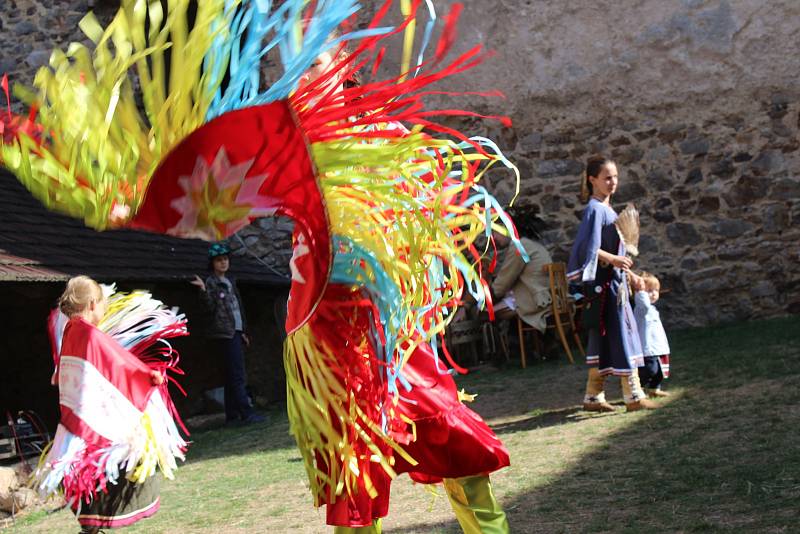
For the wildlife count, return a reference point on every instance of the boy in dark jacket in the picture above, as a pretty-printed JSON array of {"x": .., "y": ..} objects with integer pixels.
[{"x": 228, "y": 327}]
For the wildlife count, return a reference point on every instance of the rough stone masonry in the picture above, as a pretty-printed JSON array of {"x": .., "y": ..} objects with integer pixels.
[{"x": 697, "y": 100}]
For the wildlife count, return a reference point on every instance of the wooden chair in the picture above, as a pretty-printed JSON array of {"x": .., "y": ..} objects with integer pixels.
[
  {"x": 467, "y": 332},
  {"x": 562, "y": 312}
]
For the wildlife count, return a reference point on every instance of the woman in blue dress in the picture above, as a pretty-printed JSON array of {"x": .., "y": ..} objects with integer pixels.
[{"x": 598, "y": 261}]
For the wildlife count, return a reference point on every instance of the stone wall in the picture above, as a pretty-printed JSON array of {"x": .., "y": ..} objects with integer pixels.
[
  {"x": 270, "y": 240},
  {"x": 30, "y": 29},
  {"x": 699, "y": 103},
  {"x": 719, "y": 202},
  {"x": 697, "y": 100}
]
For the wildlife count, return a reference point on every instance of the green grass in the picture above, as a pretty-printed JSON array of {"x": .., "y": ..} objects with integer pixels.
[{"x": 720, "y": 455}]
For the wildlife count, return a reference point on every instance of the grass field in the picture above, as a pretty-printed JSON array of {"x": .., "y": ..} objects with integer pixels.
[{"x": 721, "y": 455}]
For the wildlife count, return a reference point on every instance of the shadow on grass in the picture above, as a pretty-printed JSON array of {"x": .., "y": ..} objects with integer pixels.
[
  {"x": 718, "y": 457},
  {"x": 214, "y": 440},
  {"x": 431, "y": 528},
  {"x": 239, "y": 440},
  {"x": 543, "y": 419},
  {"x": 511, "y": 393},
  {"x": 699, "y": 464}
]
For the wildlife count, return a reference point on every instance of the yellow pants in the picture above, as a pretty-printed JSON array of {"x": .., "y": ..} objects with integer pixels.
[
  {"x": 595, "y": 386},
  {"x": 475, "y": 506},
  {"x": 374, "y": 528},
  {"x": 473, "y": 502}
]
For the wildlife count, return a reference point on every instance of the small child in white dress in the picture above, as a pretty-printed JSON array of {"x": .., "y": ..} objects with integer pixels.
[{"x": 651, "y": 333}]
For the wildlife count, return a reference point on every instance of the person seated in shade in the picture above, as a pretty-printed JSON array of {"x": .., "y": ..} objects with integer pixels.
[{"x": 519, "y": 288}]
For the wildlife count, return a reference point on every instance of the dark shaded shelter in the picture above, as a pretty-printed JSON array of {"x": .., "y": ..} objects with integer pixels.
[{"x": 40, "y": 250}]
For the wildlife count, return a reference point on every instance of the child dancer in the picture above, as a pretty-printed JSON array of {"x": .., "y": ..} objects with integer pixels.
[
  {"x": 116, "y": 426},
  {"x": 652, "y": 335},
  {"x": 598, "y": 261}
]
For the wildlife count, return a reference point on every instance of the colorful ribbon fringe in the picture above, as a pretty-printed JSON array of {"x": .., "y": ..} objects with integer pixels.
[{"x": 402, "y": 209}]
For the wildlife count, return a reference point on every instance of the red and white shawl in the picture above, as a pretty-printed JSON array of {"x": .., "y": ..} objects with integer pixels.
[{"x": 113, "y": 419}]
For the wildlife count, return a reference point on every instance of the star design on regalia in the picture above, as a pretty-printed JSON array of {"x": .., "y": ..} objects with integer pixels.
[{"x": 220, "y": 198}]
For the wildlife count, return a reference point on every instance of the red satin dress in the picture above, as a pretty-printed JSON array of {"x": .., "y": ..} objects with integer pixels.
[{"x": 452, "y": 441}]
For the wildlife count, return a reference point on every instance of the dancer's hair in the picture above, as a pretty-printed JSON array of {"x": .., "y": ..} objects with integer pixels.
[{"x": 79, "y": 293}]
